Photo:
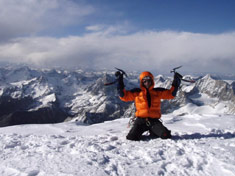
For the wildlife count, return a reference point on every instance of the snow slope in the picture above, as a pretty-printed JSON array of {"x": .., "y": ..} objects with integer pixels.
[{"x": 202, "y": 144}]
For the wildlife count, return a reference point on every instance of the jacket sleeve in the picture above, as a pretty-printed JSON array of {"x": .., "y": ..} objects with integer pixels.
[
  {"x": 130, "y": 95},
  {"x": 166, "y": 93}
]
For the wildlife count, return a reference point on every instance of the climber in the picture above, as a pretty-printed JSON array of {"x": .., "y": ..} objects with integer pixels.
[{"x": 148, "y": 105}]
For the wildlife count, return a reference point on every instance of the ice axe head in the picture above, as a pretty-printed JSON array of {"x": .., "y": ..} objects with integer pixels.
[
  {"x": 120, "y": 73},
  {"x": 173, "y": 70}
]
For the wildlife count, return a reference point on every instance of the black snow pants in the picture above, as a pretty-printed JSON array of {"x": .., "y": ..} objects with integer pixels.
[{"x": 154, "y": 126}]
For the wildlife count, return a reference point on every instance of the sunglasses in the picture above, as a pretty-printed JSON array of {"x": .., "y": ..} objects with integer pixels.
[{"x": 147, "y": 80}]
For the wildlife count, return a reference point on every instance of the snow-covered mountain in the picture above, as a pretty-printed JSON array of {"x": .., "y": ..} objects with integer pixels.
[
  {"x": 50, "y": 96},
  {"x": 55, "y": 95}
]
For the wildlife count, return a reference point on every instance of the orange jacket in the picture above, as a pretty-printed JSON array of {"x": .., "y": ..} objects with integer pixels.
[{"x": 147, "y": 107}]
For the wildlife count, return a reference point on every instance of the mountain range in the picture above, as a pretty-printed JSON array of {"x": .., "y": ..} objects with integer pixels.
[{"x": 29, "y": 96}]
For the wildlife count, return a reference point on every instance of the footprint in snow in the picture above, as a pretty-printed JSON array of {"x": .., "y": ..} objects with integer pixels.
[
  {"x": 64, "y": 142},
  {"x": 109, "y": 147},
  {"x": 57, "y": 136},
  {"x": 113, "y": 138},
  {"x": 33, "y": 173}
]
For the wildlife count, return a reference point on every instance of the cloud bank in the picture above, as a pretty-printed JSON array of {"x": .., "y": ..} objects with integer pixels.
[
  {"x": 103, "y": 45},
  {"x": 147, "y": 50},
  {"x": 27, "y": 17}
]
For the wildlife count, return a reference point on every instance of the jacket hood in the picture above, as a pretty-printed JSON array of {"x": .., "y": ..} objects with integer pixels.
[{"x": 144, "y": 74}]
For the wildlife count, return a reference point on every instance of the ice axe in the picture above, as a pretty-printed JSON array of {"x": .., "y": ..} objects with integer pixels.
[
  {"x": 118, "y": 73},
  {"x": 181, "y": 77}
]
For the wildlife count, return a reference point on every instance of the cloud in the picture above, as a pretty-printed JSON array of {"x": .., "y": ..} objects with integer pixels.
[
  {"x": 94, "y": 28},
  {"x": 104, "y": 45},
  {"x": 27, "y": 17},
  {"x": 148, "y": 50}
]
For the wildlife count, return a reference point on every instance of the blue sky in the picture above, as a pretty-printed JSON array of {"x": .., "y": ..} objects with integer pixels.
[
  {"x": 130, "y": 34},
  {"x": 199, "y": 16}
]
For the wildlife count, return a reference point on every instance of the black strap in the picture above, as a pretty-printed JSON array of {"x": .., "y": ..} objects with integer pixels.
[{"x": 149, "y": 98}]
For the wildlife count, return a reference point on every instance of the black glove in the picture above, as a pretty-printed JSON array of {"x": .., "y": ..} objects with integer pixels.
[
  {"x": 176, "y": 82},
  {"x": 120, "y": 84}
]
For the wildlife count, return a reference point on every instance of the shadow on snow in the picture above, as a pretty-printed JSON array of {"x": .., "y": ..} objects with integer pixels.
[
  {"x": 193, "y": 136},
  {"x": 227, "y": 135}
]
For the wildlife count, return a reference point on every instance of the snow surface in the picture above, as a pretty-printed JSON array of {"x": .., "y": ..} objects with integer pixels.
[{"x": 202, "y": 144}]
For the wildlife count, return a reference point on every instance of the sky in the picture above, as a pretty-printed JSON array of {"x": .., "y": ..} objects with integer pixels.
[{"x": 135, "y": 35}]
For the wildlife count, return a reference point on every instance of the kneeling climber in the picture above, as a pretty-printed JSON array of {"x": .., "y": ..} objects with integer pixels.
[{"x": 148, "y": 105}]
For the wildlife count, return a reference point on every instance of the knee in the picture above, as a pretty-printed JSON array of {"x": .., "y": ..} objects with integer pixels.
[
  {"x": 132, "y": 138},
  {"x": 166, "y": 135}
]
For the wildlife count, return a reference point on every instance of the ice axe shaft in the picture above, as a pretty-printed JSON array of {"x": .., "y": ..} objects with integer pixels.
[
  {"x": 190, "y": 81},
  {"x": 186, "y": 80},
  {"x": 111, "y": 83}
]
